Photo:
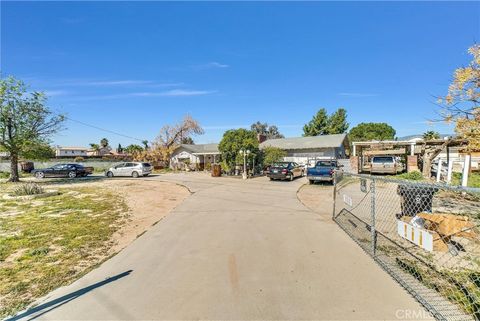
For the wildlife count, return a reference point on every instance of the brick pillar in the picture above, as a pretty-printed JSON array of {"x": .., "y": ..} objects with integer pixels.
[
  {"x": 412, "y": 163},
  {"x": 354, "y": 164}
]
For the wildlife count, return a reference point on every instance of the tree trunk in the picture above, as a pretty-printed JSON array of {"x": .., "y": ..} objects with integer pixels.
[
  {"x": 427, "y": 165},
  {"x": 14, "y": 177}
]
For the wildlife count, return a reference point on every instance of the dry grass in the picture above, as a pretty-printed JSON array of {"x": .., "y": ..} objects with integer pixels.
[{"x": 50, "y": 242}]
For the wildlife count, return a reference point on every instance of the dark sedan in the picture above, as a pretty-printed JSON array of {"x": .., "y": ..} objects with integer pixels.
[
  {"x": 285, "y": 170},
  {"x": 62, "y": 170}
]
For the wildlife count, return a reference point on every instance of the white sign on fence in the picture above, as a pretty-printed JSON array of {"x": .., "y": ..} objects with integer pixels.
[
  {"x": 415, "y": 235},
  {"x": 347, "y": 200}
]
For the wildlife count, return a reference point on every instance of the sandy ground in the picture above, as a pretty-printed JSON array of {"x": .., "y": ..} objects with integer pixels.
[
  {"x": 149, "y": 201},
  {"x": 318, "y": 198}
]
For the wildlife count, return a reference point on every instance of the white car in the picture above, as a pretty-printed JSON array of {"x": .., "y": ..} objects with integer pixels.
[{"x": 133, "y": 169}]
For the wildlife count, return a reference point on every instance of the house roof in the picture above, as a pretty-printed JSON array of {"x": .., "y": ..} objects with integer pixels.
[
  {"x": 311, "y": 142},
  {"x": 202, "y": 148},
  {"x": 72, "y": 148}
]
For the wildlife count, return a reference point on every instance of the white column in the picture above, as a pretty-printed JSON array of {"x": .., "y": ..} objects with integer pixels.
[
  {"x": 354, "y": 152},
  {"x": 449, "y": 171},
  {"x": 412, "y": 149},
  {"x": 466, "y": 170},
  {"x": 439, "y": 170}
]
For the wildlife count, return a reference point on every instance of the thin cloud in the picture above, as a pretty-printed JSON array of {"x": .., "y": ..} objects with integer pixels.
[
  {"x": 54, "y": 93},
  {"x": 348, "y": 94},
  {"x": 118, "y": 82},
  {"x": 168, "y": 93},
  {"x": 183, "y": 92},
  {"x": 210, "y": 65}
]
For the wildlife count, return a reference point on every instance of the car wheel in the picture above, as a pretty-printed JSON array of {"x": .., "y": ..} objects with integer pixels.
[
  {"x": 271, "y": 178},
  {"x": 39, "y": 175},
  {"x": 310, "y": 181},
  {"x": 291, "y": 177},
  {"x": 109, "y": 174},
  {"x": 135, "y": 174},
  {"x": 72, "y": 174}
]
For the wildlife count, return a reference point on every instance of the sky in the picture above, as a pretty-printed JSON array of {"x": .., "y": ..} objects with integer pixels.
[{"x": 132, "y": 67}]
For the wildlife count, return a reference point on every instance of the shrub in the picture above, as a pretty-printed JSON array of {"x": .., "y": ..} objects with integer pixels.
[
  {"x": 78, "y": 159},
  {"x": 4, "y": 174},
  {"x": 28, "y": 189},
  {"x": 413, "y": 176},
  {"x": 208, "y": 166}
]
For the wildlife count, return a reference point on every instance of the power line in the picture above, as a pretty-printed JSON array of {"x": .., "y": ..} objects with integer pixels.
[{"x": 103, "y": 129}]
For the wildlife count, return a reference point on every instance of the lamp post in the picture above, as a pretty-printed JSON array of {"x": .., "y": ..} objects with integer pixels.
[{"x": 244, "y": 153}]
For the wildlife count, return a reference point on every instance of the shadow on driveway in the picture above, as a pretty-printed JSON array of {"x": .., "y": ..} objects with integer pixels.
[{"x": 51, "y": 305}]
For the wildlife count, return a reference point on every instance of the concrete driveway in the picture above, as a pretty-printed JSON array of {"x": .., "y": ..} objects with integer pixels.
[{"x": 235, "y": 250}]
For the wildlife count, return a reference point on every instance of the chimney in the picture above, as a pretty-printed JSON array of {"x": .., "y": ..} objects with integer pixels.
[{"x": 261, "y": 138}]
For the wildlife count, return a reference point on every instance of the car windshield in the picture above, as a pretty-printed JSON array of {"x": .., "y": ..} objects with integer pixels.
[
  {"x": 383, "y": 160},
  {"x": 281, "y": 165},
  {"x": 326, "y": 164},
  {"x": 146, "y": 164}
]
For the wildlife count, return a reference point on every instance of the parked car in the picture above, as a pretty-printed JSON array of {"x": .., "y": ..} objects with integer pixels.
[
  {"x": 324, "y": 170},
  {"x": 133, "y": 169},
  {"x": 385, "y": 165},
  {"x": 285, "y": 170},
  {"x": 63, "y": 170}
]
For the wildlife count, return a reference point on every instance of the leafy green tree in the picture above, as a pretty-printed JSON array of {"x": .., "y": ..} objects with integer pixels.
[
  {"x": 318, "y": 125},
  {"x": 371, "y": 131},
  {"x": 120, "y": 148},
  {"x": 104, "y": 142},
  {"x": 38, "y": 152},
  {"x": 271, "y": 132},
  {"x": 133, "y": 148},
  {"x": 235, "y": 140},
  {"x": 145, "y": 144},
  {"x": 272, "y": 155},
  {"x": 429, "y": 135},
  {"x": 337, "y": 122},
  {"x": 26, "y": 123}
]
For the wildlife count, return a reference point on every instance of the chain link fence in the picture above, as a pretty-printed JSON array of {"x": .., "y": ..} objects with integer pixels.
[{"x": 426, "y": 236}]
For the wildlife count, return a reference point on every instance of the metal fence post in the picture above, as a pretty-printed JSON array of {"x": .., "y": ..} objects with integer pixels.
[
  {"x": 334, "y": 193},
  {"x": 372, "y": 214}
]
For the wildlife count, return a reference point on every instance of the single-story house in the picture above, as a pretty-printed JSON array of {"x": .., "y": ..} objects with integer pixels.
[
  {"x": 305, "y": 149},
  {"x": 197, "y": 156},
  {"x": 70, "y": 151}
]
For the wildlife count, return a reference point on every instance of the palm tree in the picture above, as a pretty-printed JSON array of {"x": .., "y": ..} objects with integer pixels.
[
  {"x": 145, "y": 144},
  {"x": 104, "y": 142},
  {"x": 95, "y": 148}
]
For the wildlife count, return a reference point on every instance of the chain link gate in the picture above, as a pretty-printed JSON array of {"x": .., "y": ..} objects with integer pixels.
[{"x": 426, "y": 236}]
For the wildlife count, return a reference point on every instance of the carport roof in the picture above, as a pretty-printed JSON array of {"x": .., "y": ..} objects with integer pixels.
[
  {"x": 312, "y": 142},
  {"x": 201, "y": 148}
]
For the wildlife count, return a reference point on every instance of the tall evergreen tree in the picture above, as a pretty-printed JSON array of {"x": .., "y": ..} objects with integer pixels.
[
  {"x": 337, "y": 122},
  {"x": 318, "y": 125}
]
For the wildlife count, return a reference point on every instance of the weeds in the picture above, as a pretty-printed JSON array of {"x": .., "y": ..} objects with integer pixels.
[
  {"x": 49, "y": 244},
  {"x": 27, "y": 189}
]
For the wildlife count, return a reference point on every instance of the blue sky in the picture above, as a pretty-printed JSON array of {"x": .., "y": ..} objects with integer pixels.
[{"x": 133, "y": 67}]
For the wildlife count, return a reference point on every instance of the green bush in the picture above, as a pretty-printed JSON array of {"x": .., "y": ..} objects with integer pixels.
[
  {"x": 78, "y": 159},
  {"x": 413, "y": 176},
  {"x": 27, "y": 189},
  {"x": 4, "y": 174}
]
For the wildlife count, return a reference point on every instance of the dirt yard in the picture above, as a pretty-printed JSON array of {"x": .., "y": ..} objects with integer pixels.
[
  {"x": 318, "y": 198},
  {"x": 148, "y": 202}
]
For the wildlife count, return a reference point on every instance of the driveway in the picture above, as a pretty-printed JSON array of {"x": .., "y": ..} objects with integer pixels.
[{"x": 235, "y": 250}]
